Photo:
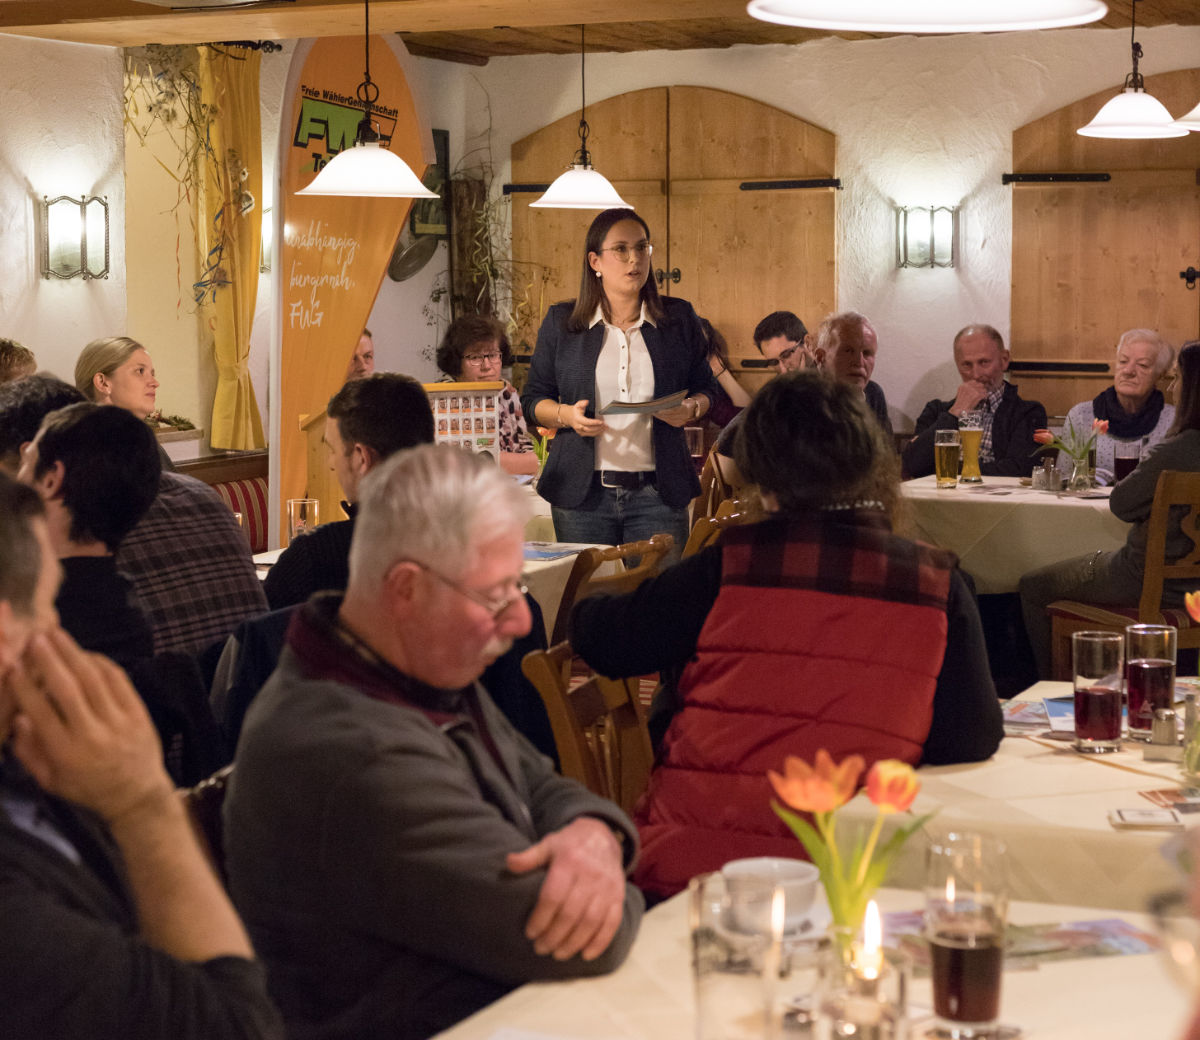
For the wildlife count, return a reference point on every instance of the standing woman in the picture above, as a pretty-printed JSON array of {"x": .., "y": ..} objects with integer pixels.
[
  {"x": 117, "y": 370},
  {"x": 618, "y": 478}
]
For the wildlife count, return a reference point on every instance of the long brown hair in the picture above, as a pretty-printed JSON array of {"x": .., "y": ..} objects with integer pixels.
[
  {"x": 591, "y": 292},
  {"x": 1187, "y": 412}
]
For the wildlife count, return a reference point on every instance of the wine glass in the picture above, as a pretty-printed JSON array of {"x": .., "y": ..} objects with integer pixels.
[{"x": 966, "y": 908}]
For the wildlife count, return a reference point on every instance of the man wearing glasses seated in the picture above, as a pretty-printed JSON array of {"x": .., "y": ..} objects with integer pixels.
[{"x": 401, "y": 854}]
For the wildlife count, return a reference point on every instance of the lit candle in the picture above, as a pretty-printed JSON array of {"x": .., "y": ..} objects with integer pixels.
[{"x": 870, "y": 959}]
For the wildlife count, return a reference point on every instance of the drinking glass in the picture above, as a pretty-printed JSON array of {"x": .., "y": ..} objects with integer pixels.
[
  {"x": 970, "y": 428},
  {"x": 1149, "y": 674},
  {"x": 740, "y": 967},
  {"x": 1126, "y": 456},
  {"x": 966, "y": 908},
  {"x": 1096, "y": 659},
  {"x": 302, "y": 516},
  {"x": 947, "y": 450}
]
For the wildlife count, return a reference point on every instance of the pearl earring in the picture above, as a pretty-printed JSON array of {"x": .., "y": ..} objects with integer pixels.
[{"x": 597, "y": 274}]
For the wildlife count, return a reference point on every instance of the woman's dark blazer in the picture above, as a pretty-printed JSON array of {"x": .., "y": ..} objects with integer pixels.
[{"x": 564, "y": 369}]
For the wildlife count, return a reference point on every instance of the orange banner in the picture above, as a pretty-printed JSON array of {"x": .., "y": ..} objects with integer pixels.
[{"x": 335, "y": 251}]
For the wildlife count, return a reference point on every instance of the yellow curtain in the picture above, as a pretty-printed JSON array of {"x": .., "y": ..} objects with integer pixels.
[{"x": 228, "y": 235}]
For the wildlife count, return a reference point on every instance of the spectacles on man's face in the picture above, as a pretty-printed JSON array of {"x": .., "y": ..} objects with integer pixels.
[
  {"x": 784, "y": 355},
  {"x": 495, "y": 606},
  {"x": 479, "y": 359},
  {"x": 626, "y": 253}
]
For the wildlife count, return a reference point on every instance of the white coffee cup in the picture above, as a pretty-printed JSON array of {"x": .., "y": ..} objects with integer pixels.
[{"x": 746, "y": 877}]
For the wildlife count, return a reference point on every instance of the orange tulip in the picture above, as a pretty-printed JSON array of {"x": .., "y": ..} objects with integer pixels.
[
  {"x": 1191, "y": 600},
  {"x": 1043, "y": 436},
  {"x": 546, "y": 433},
  {"x": 892, "y": 785},
  {"x": 820, "y": 789},
  {"x": 1100, "y": 425}
]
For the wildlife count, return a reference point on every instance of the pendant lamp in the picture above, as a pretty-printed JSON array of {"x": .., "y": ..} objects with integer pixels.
[
  {"x": 1191, "y": 121},
  {"x": 1133, "y": 114},
  {"x": 367, "y": 168},
  {"x": 928, "y": 16},
  {"x": 581, "y": 187}
]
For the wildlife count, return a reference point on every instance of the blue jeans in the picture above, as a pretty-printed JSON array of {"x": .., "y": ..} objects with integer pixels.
[{"x": 613, "y": 516}]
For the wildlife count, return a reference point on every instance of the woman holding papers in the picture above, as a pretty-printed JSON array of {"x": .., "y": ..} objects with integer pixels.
[{"x": 618, "y": 372}]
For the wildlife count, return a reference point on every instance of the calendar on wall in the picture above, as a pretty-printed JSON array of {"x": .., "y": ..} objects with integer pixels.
[{"x": 467, "y": 415}]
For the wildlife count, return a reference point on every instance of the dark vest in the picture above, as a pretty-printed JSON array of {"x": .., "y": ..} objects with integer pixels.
[{"x": 826, "y": 633}]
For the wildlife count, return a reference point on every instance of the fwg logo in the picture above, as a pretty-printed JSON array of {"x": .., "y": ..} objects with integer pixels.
[{"x": 335, "y": 123}]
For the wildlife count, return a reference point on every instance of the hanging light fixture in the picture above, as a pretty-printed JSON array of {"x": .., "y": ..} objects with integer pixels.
[
  {"x": 1133, "y": 114},
  {"x": 928, "y": 16},
  {"x": 581, "y": 187},
  {"x": 367, "y": 168},
  {"x": 1191, "y": 121}
]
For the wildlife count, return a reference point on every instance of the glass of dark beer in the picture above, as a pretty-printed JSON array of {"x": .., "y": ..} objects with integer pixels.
[
  {"x": 1096, "y": 664},
  {"x": 966, "y": 909}
]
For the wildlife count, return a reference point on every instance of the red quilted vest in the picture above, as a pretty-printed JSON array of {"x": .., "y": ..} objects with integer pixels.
[{"x": 826, "y": 633}]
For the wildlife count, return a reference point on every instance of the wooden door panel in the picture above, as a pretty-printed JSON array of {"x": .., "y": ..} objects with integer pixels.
[
  {"x": 742, "y": 254},
  {"x": 1091, "y": 260},
  {"x": 628, "y": 141}
]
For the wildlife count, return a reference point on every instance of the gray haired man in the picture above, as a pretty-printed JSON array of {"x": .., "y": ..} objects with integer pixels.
[{"x": 403, "y": 856}]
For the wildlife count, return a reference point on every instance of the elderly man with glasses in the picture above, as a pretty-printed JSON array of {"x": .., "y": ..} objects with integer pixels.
[{"x": 401, "y": 854}]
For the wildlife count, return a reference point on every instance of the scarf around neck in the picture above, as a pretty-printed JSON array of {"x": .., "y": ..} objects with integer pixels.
[{"x": 1121, "y": 424}]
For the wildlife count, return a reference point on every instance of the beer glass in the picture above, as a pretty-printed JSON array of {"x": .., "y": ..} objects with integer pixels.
[
  {"x": 1096, "y": 666},
  {"x": 302, "y": 516},
  {"x": 966, "y": 907},
  {"x": 947, "y": 449},
  {"x": 970, "y": 429}
]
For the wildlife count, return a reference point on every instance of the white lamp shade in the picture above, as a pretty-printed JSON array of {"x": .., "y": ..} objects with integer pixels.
[
  {"x": 1133, "y": 114},
  {"x": 581, "y": 187},
  {"x": 368, "y": 170},
  {"x": 1191, "y": 121},
  {"x": 928, "y": 16}
]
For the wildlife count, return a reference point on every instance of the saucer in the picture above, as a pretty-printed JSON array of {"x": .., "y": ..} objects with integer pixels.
[{"x": 813, "y": 922}]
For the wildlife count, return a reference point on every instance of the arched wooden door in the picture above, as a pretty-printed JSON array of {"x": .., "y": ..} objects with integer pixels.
[{"x": 680, "y": 155}]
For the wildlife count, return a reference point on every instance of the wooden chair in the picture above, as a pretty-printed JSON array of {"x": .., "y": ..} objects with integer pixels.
[
  {"x": 1174, "y": 489},
  {"x": 204, "y": 803},
  {"x": 584, "y": 581},
  {"x": 714, "y": 488},
  {"x": 599, "y": 726},
  {"x": 730, "y": 513}
]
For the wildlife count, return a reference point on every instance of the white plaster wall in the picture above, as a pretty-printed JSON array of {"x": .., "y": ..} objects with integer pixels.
[
  {"x": 919, "y": 120},
  {"x": 61, "y": 121}
]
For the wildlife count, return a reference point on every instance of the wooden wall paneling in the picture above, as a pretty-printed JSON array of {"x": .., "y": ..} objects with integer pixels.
[
  {"x": 1091, "y": 260},
  {"x": 628, "y": 141},
  {"x": 744, "y": 254}
]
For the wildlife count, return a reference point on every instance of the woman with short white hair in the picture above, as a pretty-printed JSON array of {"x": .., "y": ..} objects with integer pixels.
[{"x": 1133, "y": 407}]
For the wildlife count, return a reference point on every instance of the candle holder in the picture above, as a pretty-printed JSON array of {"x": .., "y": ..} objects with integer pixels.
[{"x": 862, "y": 994}]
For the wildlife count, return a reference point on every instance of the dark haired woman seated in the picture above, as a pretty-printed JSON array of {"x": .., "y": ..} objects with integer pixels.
[{"x": 815, "y": 628}]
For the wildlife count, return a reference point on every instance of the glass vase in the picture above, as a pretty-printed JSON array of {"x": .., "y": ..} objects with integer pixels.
[{"x": 1081, "y": 475}]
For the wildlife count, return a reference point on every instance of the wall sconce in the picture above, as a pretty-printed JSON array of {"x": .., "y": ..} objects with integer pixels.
[
  {"x": 266, "y": 241},
  {"x": 75, "y": 237},
  {"x": 925, "y": 237}
]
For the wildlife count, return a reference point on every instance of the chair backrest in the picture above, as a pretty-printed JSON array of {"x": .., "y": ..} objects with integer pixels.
[
  {"x": 204, "y": 803},
  {"x": 714, "y": 488},
  {"x": 584, "y": 581},
  {"x": 599, "y": 726},
  {"x": 730, "y": 513},
  {"x": 1175, "y": 489}
]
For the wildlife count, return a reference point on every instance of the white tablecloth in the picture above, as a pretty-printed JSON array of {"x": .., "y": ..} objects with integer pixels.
[
  {"x": 999, "y": 537},
  {"x": 1050, "y": 806},
  {"x": 650, "y": 996}
]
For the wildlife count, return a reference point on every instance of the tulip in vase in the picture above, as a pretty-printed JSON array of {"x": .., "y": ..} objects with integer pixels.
[{"x": 849, "y": 876}]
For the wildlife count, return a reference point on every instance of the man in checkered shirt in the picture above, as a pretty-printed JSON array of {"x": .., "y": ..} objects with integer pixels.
[{"x": 1007, "y": 447}]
